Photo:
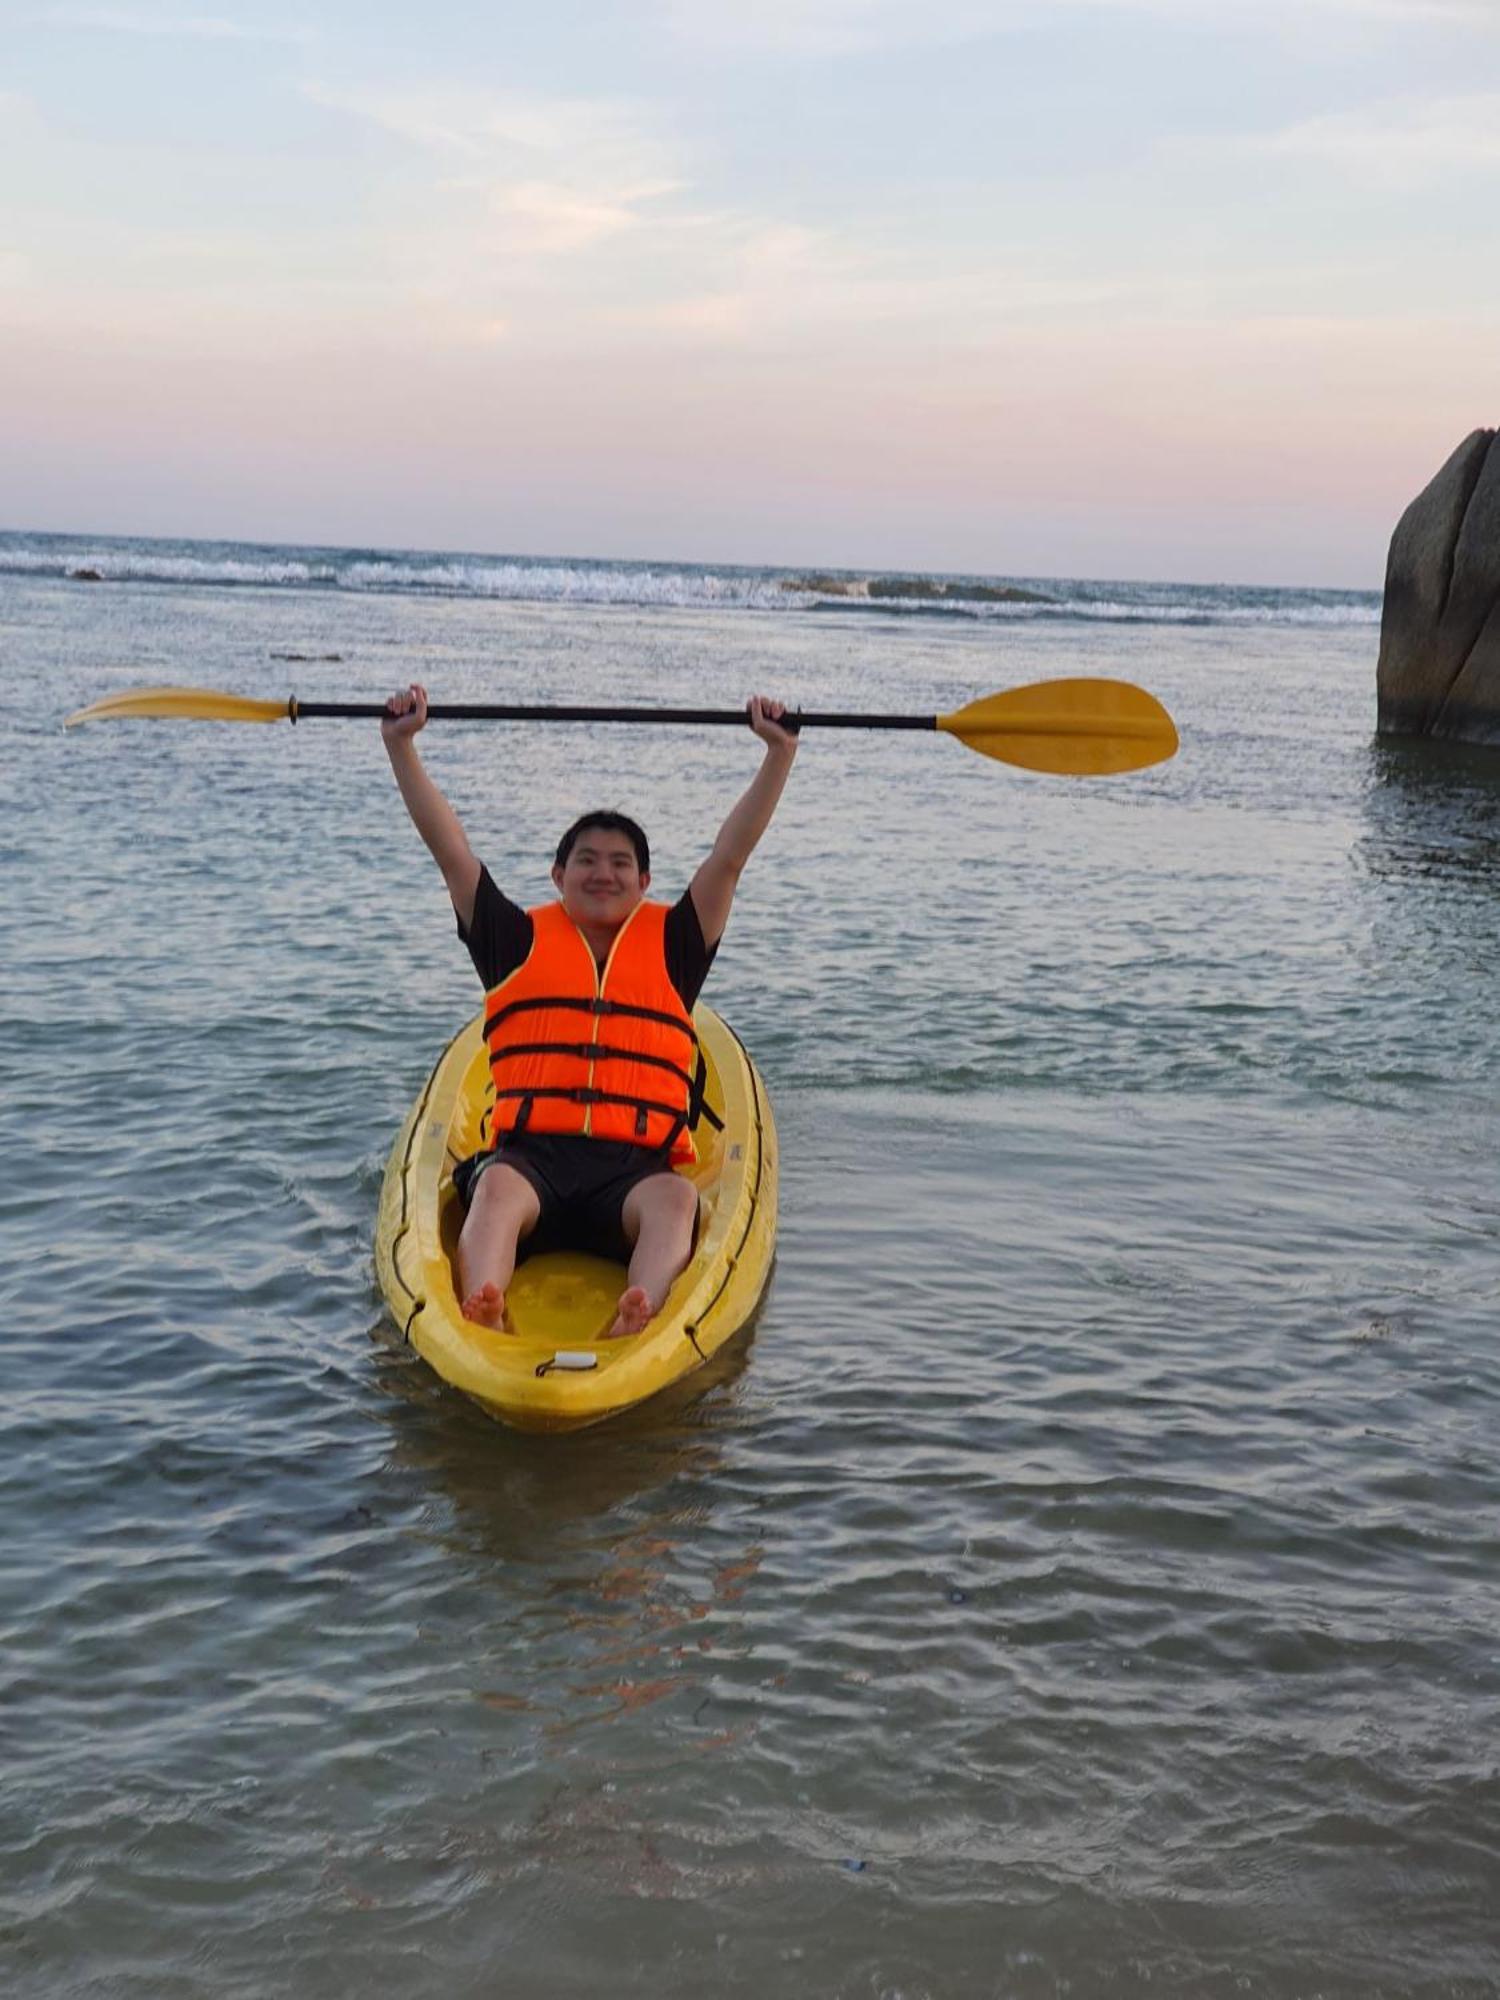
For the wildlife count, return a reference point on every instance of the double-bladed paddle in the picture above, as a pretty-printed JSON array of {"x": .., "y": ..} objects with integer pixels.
[{"x": 1075, "y": 728}]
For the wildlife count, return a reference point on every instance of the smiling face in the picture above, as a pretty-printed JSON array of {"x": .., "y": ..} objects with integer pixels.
[{"x": 601, "y": 881}]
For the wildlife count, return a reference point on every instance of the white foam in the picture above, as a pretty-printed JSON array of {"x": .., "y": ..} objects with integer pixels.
[{"x": 529, "y": 581}]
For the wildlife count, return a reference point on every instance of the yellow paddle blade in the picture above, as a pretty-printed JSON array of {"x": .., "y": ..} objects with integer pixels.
[
  {"x": 179, "y": 705},
  {"x": 1077, "y": 728}
]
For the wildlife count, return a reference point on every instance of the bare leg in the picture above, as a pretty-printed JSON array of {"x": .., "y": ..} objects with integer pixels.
[
  {"x": 658, "y": 1219},
  {"x": 504, "y": 1209}
]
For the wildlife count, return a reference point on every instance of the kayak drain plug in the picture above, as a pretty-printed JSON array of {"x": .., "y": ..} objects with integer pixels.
[{"x": 569, "y": 1357}]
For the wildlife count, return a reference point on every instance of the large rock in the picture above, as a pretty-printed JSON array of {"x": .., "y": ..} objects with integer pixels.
[{"x": 1439, "y": 672}]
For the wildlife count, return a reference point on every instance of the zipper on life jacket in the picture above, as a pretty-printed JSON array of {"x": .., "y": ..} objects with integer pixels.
[{"x": 597, "y": 1017}]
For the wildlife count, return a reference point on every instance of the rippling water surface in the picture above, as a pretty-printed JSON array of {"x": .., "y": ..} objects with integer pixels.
[{"x": 1085, "y": 1580}]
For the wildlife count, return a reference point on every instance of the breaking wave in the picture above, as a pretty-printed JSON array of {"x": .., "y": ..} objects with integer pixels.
[{"x": 535, "y": 580}]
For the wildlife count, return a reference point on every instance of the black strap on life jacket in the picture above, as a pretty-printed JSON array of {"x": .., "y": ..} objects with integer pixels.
[
  {"x": 586, "y": 1094},
  {"x": 698, "y": 1107},
  {"x": 596, "y": 1007},
  {"x": 696, "y": 1079},
  {"x": 698, "y": 1104},
  {"x": 593, "y": 1052}
]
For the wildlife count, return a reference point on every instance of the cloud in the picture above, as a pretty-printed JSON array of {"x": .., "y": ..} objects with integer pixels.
[
  {"x": 504, "y": 211},
  {"x": 849, "y": 27},
  {"x": 571, "y": 221},
  {"x": 520, "y": 182},
  {"x": 198, "y": 27},
  {"x": 1397, "y": 144},
  {"x": 509, "y": 133},
  {"x": 541, "y": 218},
  {"x": 769, "y": 285},
  {"x": 1277, "y": 13},
  {"x": 546, "y": 177},
  {"x": 832, "y": 27},
  {"x": 1423, "y": 13}
]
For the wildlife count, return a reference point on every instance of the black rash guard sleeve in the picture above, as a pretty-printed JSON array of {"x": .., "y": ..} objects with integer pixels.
[
  {"x": 688, "y": 957},
  {"x": 499, "y": 938}
]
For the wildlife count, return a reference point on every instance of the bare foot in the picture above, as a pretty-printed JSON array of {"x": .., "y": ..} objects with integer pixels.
[
  {"x": 486, "y": 1307},
  {"x": 632, "y": 1311}
]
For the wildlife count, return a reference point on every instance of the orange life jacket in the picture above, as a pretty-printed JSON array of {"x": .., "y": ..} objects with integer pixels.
[{"x": 609, "y": 1056}]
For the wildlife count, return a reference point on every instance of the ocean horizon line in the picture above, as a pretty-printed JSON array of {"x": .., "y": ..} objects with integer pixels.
[
  {"x": 359, "y": 569},
  {"x": 574, "y": 557}
]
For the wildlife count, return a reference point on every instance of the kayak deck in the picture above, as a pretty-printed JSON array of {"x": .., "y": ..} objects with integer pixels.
[{"x": 550, "y": 1369}]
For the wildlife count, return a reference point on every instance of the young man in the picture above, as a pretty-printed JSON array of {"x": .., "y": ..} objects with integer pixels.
[{"x": 587, "y": 1021}]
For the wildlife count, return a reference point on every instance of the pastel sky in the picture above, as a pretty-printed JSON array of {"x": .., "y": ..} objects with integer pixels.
[{"x": 1184, "y": 289}]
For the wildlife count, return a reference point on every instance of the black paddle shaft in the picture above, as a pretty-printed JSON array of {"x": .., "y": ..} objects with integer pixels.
[{"x": 469, "y": 711}]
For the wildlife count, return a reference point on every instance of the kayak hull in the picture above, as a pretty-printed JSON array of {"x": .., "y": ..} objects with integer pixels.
[{"x": 559, "y": 1303}]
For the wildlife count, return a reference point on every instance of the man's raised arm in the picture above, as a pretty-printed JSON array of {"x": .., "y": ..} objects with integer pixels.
[
  {"x": 714, "y": 884},
  {"x": 431, "y": 814}
]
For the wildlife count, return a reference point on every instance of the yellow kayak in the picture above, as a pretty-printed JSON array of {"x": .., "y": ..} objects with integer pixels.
[{"x": 551, "y": 1370}]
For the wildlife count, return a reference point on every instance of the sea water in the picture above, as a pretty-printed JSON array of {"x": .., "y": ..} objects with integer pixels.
[{"x": 1083, "y": 1582}]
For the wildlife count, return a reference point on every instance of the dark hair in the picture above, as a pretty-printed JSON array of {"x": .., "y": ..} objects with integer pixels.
[{"x": 607, "y": 822}]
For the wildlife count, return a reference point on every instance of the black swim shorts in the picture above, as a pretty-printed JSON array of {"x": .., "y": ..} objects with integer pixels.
[{"x": 581, "y": 1185}]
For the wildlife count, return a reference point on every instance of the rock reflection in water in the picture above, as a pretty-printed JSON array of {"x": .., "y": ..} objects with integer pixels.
[{"x": 1432, "y": 809}]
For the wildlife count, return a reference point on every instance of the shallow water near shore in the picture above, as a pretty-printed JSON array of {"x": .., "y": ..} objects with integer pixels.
[{"x": 1081, "y": 1580}]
